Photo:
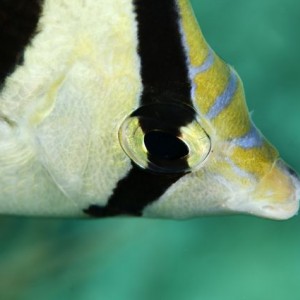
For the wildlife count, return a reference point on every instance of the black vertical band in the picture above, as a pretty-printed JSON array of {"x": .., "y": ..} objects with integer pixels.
[
  {"x": 133, "y": 193},
  {"x": 164, "y": 69},
  {"x": 18, "y": 22},
  {"x": 165, "y": 79}
]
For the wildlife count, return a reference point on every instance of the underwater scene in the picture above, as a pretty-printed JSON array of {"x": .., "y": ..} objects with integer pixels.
[{"x": 211, "y": 258}]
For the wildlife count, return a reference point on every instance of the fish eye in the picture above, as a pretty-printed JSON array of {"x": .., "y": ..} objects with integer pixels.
[
  {"x": 165, "y": 145},
  {"x": 155, "y": 139}
]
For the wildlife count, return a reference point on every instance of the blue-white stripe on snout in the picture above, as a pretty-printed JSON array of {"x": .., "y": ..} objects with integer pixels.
[
  {"x": 204, "y": 67},
  {"x": 194, "y": 71},
  {"x": 251, "y": 139},
  {"x": 224, "y": 100}
]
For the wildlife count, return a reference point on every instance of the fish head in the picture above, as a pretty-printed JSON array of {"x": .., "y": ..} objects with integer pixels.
[
  {"x": 232, "y": 168},
  {"x": 213, "y": 172}
]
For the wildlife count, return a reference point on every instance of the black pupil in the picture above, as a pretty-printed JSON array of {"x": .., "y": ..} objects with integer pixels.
[{"x": 165, "y": 145}]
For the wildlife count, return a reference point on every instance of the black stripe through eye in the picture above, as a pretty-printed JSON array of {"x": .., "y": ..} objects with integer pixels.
[{"x": 165, "y": 79}]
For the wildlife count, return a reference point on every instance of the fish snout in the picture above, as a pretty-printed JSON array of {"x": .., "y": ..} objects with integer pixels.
[{"x": 277, "y": 194}]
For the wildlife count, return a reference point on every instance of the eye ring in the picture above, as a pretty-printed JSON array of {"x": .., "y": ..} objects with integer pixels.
[{"x": 152, "y": 138}]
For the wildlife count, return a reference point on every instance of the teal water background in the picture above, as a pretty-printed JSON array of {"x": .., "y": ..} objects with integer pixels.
[{"x": 228, "y": 257}]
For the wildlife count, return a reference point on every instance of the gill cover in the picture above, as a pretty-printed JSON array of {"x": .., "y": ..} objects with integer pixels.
[{"x": 121, "y": 108}]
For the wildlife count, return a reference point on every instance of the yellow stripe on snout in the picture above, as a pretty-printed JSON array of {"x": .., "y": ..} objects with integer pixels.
[
  {"x": 198, "y": 47},
  {"x": 235, "y": 116}
]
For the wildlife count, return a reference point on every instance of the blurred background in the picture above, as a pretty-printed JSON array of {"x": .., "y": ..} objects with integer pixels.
[{"x": 232, "y": 257}]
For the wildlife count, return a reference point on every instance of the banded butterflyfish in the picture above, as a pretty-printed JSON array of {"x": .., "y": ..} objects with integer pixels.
[{"x": 112, "y": 108}]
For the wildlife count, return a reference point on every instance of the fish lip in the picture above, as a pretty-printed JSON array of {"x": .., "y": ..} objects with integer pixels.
[
  {"x": 266, "y": 210},
  {"x": 279, "y": 211},
  {"x": 260, "y": 206},
  {"x": 288, "y": 209},
  {"x": 293, "y": 175}
]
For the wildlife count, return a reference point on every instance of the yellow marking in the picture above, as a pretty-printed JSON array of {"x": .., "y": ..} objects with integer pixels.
[
  {"x": 82, "y": 48},
  {"x": 275, "y": 187},
  {"x": 235, "y": 116},
  {"x": 255, "y": 160},
  {"x": 46, "y": 106},
  {"x": 233, "y": 121},
  {"x": 211, "y": 84},
  {"x": 198, "y": 48},
  {"x": 228, "y": 171}
]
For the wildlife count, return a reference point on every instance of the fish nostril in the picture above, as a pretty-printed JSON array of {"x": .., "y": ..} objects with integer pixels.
[{"x": 292, "y": 172}]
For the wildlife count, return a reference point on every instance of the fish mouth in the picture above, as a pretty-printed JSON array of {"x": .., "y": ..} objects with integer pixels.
[{"x": 276, "y": 195}]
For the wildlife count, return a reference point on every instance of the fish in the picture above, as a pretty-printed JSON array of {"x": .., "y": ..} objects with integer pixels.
[{"x": 121, "y": 108}]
